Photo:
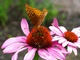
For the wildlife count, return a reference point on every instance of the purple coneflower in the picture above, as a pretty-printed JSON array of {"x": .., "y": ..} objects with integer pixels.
[
  {"x": 38, "y": 41},
  {"x": 71, "y": 39}
]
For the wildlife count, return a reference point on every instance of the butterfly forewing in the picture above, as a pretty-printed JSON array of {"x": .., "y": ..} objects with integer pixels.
[{"x": 33, "y": 14}]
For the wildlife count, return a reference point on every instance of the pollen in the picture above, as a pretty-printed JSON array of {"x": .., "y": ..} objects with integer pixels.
[
  {"x": 71, "y": 36},
  {"x": 39, "y": 37}
]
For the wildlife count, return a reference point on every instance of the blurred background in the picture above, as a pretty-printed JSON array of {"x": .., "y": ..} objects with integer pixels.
[{"x": 12, "y": 11}]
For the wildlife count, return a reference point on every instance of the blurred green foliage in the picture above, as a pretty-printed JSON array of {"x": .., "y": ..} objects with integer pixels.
[{"x": 5, "y": 6}]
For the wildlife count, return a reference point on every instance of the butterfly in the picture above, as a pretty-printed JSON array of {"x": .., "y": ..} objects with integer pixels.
[{"x": 35, "y": 15}]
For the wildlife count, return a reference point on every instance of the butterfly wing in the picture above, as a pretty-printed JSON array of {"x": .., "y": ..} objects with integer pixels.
[
  {"x": 33, "y": 14},
  {"x": 42, "y": 16}
]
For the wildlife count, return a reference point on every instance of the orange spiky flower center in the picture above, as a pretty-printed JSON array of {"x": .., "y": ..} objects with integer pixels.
[
  {"x": 71, "y": 36},
  {"x": 39, "y": 37}
]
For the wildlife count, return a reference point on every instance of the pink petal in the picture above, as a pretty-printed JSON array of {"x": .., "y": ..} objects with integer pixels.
[
  {"x": 62, "y": 49},
  {"x": 25, "y": 27},
  {"x": 65, "y": 43},
  {"x": 30, "y": 48},
  {"x": 78, "y": 40},
  {"x": 55, "y": 23},
  {"x": 72, "y": 44},
  {"x": 59, "y": 46},
  {"x": 63, "y": 29},
  {"x": 62, "y": 40},
  {"x": 56, "y": 53},
  {"x": 15, "y": 56},
  {"x": 69, "y": 49},
  {"x": 30, "y": 55},
  {"x": 13, "y": 47},
  {"x": 56, "y": 30},
  {"x": 51, "y": 33},
  {"x": 78, "y": 34},
  {"x": 55, "y": 38},
  {"x": 76, "y": 30},
  {"x": 74, "y": 50},
  {"x": 77, "y": 44},
  {"x": 13, "y": 40},
  {"x": 45, "y": 54}
]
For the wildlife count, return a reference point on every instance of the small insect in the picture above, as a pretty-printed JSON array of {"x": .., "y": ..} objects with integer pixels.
[{"x": 35, "y": 15}]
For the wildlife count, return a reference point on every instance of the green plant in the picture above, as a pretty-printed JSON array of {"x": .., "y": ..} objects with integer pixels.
[{"x": 4, "y": 7}]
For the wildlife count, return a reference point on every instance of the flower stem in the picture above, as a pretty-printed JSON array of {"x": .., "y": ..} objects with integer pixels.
[{"x": 36, "y": 57}]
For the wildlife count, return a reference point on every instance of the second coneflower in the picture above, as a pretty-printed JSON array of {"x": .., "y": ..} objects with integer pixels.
[
  {"x": 38, "y": 40},
  {"x": 69, "y": 39}
]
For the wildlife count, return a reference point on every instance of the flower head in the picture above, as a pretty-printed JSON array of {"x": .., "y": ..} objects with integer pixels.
[
  {"x": 38, "y": 40},
  {"x": 71, "y": 39},
  {"x": 39, "y": 37}
]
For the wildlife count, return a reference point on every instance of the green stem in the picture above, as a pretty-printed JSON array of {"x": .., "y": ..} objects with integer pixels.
[{"x": 36, "y": 57}]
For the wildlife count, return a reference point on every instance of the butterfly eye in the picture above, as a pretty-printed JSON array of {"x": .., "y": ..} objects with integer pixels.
[{"x": 35, "y": 15}]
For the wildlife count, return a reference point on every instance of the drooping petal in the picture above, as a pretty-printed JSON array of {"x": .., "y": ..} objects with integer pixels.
[
  {"x": 15, "y": 56},
  {"x": 55, "y": 23},
  {"x": 25, "y": 27},
  {"x": 74, "y": 50},
  {"x": 13, "y": 40},
  {"x": 13, "y": 47},
  {"x": 56, "y": 30},
  {"x": 69, "y": 49},
  {"x": 30, "y": 55},
  {"x": 45, "y": 54}
]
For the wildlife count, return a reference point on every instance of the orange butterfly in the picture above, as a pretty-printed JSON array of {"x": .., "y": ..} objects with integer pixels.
[{"x": 36, "y": 16}]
